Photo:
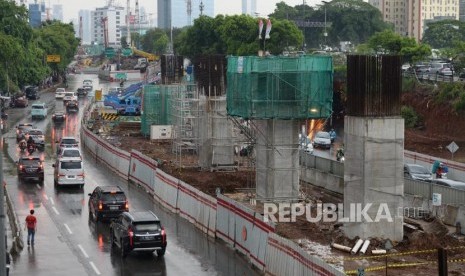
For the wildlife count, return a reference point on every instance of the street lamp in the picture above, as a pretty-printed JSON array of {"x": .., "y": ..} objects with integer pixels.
[{"x": 325, "y": 34}]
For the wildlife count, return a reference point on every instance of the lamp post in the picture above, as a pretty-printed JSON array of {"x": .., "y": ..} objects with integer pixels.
[{"x": 325, "y": 34}]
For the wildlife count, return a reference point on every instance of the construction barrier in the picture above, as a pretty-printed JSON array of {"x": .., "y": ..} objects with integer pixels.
[
  {"x": 142, "y": 170},
  {"x": 116, "y": 159},
  {"x": 244, "y": 229},
  {"x": 166, "y": 190},
  {"x": 285, "y": 257},
  {"x": 109, "y": 116}
]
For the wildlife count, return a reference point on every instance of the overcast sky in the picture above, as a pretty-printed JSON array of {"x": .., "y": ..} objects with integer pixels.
[{"x": 264, "y": 7}]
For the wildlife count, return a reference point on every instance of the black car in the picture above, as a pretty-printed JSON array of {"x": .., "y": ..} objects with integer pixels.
[
  {"x": 81, "y": 92},
  {"x": 30, "y": 167},
  {"x": 107, "y": 202},
  {"x": 32, "y": 92},
  {"x": 58, "y": 117},
  {"x": 72, "y": 106},
  {"x": 139, "y": 232}
]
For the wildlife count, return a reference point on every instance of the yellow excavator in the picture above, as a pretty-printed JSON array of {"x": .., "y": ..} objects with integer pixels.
[{"x": 148, "y": 56}]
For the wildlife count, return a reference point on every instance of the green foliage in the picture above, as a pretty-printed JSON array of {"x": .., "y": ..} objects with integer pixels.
[
  {"x": 155, "y": 41},
  {"x": 410, "y": 116},
  {"x": 234, "y": 35},
  {"x": 352, "y": 20},
  {"x": 442, "y": 34},
  {"x": 452, "y": 93}
]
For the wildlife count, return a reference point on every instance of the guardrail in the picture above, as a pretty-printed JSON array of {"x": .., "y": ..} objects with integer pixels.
[
  {"x": 426, "y": 190},
  {"x": 17, "y": 243}
]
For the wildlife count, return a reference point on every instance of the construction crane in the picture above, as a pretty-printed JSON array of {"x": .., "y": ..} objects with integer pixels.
[{"x": 128, "y": 20}]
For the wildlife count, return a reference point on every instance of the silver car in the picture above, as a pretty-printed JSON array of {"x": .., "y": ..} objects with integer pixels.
[{"x": 417, "y": 172}]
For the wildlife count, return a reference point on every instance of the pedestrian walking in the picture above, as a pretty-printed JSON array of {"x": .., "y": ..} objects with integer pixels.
[{"x": 31, "y": 225}]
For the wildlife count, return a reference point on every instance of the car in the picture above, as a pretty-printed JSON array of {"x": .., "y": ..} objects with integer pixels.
[
  {"x": 39, "y": 110},
  {"x": 58, "y": 117},
  {"x": 81, "y": 91},
  {"x": 446, "y": 71},
  {"x": 22, "y": 130},
  {"x": 69, "y": 153},
  {"x": 322, "y": 139},
  {"x": 436, "y": 67},
  {"x": 69, "y": 96},
  {"x": 308, "y": 148},
  {"x": 87, "y": 83},
  {"x": 30, "y": 167},
  {"x": 38, "y": 137},
  {"x": 68, "y": 171},
  {"x": 19, "y": 101},
  {"x": 449, "y": 183},
  {"x": 107, "y": 202},
  {"x": 32, "y": 92},
  {"x": 139, "y": 232},
  {"x": 87, "y": 88},
  {"x": 421, "y": 69},
  {"x": 60, "y": 93},
  {"x": 417, "y": 172},
  {"x": 72, "y": 106},
  {"x": 405, "y": 67},
  {"x": 66, "y": 142}
]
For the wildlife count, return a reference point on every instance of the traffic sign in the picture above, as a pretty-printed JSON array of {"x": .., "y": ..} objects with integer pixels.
[
  {"x": 53, "y": 58},
  {"x": 452, "y": 147},
  {"x": 126, "y": 52},
  {"x": 110, "y": 52},
  {"x": 436, "y": 199},
  {"x": 121, "y": 76}
]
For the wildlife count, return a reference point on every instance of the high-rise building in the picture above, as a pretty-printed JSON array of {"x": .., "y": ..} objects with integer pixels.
[
  {"x": 115, "y": 20},
  {"x": 174, "y": 13},
  {"x": 411, "y": 16},
  {"x": 58, "y": 12},
  {"x": 37, "y": 14},
  {"x": 249, "y": 7},
  {"x": 84, "y": 20},
  {"x": 462, "y": 10}
]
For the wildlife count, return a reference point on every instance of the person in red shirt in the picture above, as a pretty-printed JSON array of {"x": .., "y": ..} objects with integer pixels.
[{"x": 31, "y": 225}]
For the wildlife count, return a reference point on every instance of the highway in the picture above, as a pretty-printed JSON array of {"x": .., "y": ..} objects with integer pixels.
[{"x": 68, "y": 243}]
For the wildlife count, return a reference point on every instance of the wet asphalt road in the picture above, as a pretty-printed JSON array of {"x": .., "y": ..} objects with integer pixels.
[{"x": 68, "y": 243}]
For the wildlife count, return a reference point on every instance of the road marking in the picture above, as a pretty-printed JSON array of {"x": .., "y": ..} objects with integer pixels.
[
  {"x": 83, "y": 252},
  {"x": 95, "y": 268},
  {"x": 46, "y": 197},
  {"x": 52, "y": 201},
  {"x": 69, "y": 229},
  {"x": 55, "y": 209}
]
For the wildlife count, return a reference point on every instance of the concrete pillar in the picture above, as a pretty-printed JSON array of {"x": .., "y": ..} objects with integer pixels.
[
  {"x": 373, "y": 174},
  {"x": 277, "y": 159}
]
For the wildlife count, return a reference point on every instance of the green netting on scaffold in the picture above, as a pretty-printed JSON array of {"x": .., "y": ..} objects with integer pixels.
[
  {"x": 280, "y": 87},
  {"x": 156, "y": 107}
]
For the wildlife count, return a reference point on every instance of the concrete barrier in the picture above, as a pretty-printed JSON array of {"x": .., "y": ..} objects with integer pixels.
[
  {"x": 142, "y": 170},
  {"x": 322, "y": 179}
]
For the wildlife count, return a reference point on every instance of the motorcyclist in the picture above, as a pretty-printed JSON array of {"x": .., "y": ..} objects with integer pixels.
[
  {"x": 30, "y": 142},
  {"x": 22, "y": 143},
  {"x": 441, "y": 170}
]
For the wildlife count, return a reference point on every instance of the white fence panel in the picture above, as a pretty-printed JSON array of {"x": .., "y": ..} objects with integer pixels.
[
  {"x": 187, "y": 205},
  {"x": 142, "y": 170},
  {"x": 166, "y": 190},
  {"x": 284, "y": 257},
  {"x": 223, "y": 219},
  {"x": 116, "y": 159}
]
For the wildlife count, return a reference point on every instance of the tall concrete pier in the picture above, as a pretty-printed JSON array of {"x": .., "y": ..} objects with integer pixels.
[{"x": 374, "y": 143}]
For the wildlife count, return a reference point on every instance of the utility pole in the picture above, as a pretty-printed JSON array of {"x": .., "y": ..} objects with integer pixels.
[
  {"x": 201, "y": 6},
  {"x": 189, "y": 12},
  {"x": 2, "y": 213},
  {"x": 128, "y": 24}
]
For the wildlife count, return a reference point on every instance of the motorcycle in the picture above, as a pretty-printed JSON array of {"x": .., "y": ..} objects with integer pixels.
[
  {"x": 4, "y": 116},
  {"x": 31, "y": 148}
]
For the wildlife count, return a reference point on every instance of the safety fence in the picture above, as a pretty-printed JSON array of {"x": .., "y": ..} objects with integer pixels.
[
  {"x": 17, "y": 234},
  {"x": 284, "y": 257},
  {"x": 241, "y": 227},
  {"x": 456, "y": 169},
  {"x": 116, "y": 159}
]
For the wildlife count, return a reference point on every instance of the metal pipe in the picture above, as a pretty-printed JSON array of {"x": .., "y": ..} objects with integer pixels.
[
  {"x": 378, "y": 251},
  {"x": 356, "y": 247},
  {"x": 341, "y": 247},
  {"x": 364, "y": 248}
]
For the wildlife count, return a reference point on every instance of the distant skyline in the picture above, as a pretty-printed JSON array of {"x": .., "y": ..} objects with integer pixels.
[{"x": 264, "y": 7}]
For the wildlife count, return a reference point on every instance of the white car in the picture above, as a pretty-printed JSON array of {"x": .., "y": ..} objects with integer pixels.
[
  {"x": 67, "y": 142},
  {"x": 308, "y": 148},
  {"x": 65, "y": 153},
  {"x": 69, "y": 96},
  {"x": 322, "y": 139},
  {"x": 87, "y": 83},
  {"x": 69, "y": 171},
  {"x": 60, "y": 93}
]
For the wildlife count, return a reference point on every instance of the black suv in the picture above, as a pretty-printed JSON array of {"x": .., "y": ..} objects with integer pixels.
[
  {"x": 30, "y": 167},
  {"x": 107, "y": 202},
  {"x": 139, "y": 232},
  {"x": 32, "y": 92},
  {"x": 72, "y": 106}
]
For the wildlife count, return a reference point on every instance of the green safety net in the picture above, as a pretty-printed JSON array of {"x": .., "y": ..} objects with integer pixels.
[
  {"x": 156, "y": 107},
  {"x": 280, "y": 87}
]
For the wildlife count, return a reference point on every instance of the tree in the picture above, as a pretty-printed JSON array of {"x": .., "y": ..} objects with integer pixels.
[
  {"x": 155, "y": 41},
  {"x": 351, "y": 20},
  {"x": 444, "y": 33}
]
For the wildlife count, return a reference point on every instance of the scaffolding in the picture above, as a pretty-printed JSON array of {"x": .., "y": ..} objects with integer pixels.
[
  {"x": 185, "y": 114},
  {"x": 156, "y": 106},
  {"x": 282, "y": 88}
]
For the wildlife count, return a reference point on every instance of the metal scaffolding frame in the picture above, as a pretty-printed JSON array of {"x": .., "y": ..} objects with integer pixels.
[{"x": 186, "y": 112}]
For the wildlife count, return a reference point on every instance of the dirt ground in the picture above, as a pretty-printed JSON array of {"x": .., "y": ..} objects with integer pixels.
[{"x": 432, "y": 138}]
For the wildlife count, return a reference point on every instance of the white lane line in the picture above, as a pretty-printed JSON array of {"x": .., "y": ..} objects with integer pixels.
[
  {"x": 52, "y": 201},
  {"x": 46, "y": 197},
  {"x": 55, "y": 209},
  {"x": 95, "y": 268},
  {"x": 69, "y": 229},
  {"x": 83, "y": 252}
]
